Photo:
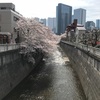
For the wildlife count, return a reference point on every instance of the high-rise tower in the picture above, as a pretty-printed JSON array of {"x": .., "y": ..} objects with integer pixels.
[
  {"x": 63, "y": 16},
  {"x": 80, "y": 15}
]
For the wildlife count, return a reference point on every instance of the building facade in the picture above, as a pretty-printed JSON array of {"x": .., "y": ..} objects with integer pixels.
[
  {"x": 63, "y": 17},
  {"x": 73, "y": 18},
  {"x": 43, "y": 21},
  {"x": 52, "y": 24},
  {"x": 8, "y": 19},
  {"x": 80, "y": 15},
  {"x": 90, "y": 25},
  {"x": 37, "y": 19},
  {"x": 98, "y": 23}
]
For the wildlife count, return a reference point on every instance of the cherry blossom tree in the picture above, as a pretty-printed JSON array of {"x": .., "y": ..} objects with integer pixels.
[{"x": 36, "y": 36}]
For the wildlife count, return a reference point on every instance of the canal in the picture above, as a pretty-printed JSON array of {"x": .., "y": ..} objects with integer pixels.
[{"x": 54, "y": 79}]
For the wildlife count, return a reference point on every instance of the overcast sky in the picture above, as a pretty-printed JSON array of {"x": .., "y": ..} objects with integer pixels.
[{"x": 47, "y": 8}]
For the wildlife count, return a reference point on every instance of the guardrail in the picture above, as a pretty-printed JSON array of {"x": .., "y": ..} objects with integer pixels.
[
  {"x": 6, "y": 47},
  {"x": 93, "y": 50}
]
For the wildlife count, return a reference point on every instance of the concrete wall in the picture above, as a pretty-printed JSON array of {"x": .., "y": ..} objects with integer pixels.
[
  {"x": 13, "y": 70},
  {"x": 87, "y": 66},
  {"x": 8, "y": 20},
  {"x": 5, "y": 21},
  {"x": 7, "y": 6}
]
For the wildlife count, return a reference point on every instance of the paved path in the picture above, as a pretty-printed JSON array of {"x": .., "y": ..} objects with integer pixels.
[{"x": 55, "y": 81}]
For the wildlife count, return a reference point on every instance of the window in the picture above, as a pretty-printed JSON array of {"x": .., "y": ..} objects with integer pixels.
[
  {"x": 3, "y": 7},
  {"x": 15, "y": 18}
]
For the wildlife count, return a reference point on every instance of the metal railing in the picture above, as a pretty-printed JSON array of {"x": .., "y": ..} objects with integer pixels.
[{"x": 7, "y": 47}]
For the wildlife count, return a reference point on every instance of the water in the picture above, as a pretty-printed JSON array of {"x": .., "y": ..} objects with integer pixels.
[{"x": 55, "y": 80}]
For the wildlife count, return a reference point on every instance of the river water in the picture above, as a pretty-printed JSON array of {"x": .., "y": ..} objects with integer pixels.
[{"x": 54, "y": 80}]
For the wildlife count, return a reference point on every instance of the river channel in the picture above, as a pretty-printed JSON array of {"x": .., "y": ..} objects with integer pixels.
[{"x": 54, "y": 79}]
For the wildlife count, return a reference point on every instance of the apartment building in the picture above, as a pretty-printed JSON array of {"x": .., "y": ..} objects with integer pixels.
[{"x": 8, "y": 18}]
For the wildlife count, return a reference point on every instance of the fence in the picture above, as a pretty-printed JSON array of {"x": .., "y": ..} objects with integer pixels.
[
  {"x": 93, "y": 50},
  {"x": 6, "y": 47}
]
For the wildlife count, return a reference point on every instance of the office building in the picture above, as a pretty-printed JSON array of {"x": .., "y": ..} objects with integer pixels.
[
  {"x": 52, "y": 24},
  {"x": 80, "y": 15},
  {"x": 37, "y": 19},
  {"x": 90, "y": 25},
  {"x": 73, "y": 18},
  {"x": 8, "y": 19},
  {"x": 63, "y": 16},
  {"x": 98, "y": 23},
  {"x": 43, "y": 21}
]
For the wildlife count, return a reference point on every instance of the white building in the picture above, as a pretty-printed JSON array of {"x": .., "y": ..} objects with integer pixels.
[
  {"x": 52, "y": 24},
  {"x": 80, "y": 15},
  {"x": 76, "y": 34},
  {"x": 8, "y": 19}
]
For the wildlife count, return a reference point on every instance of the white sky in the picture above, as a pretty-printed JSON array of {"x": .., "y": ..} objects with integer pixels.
[{"x": 47, "y": 8}]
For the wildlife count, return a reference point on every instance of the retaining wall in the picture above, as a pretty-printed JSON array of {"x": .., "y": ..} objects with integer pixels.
[
  {"x": 13, "y": 70},
  {"x": 87, "y": 66}
]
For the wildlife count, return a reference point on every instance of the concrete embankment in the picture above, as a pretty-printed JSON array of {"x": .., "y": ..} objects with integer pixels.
[
  {"x": 13, "y": 70},
  {"x": 54, "y": 80},
  {"x": 87, "y": 65}
]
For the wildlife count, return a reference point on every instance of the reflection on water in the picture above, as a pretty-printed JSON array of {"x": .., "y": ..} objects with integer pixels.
[{"x": 55, "y": 80}]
